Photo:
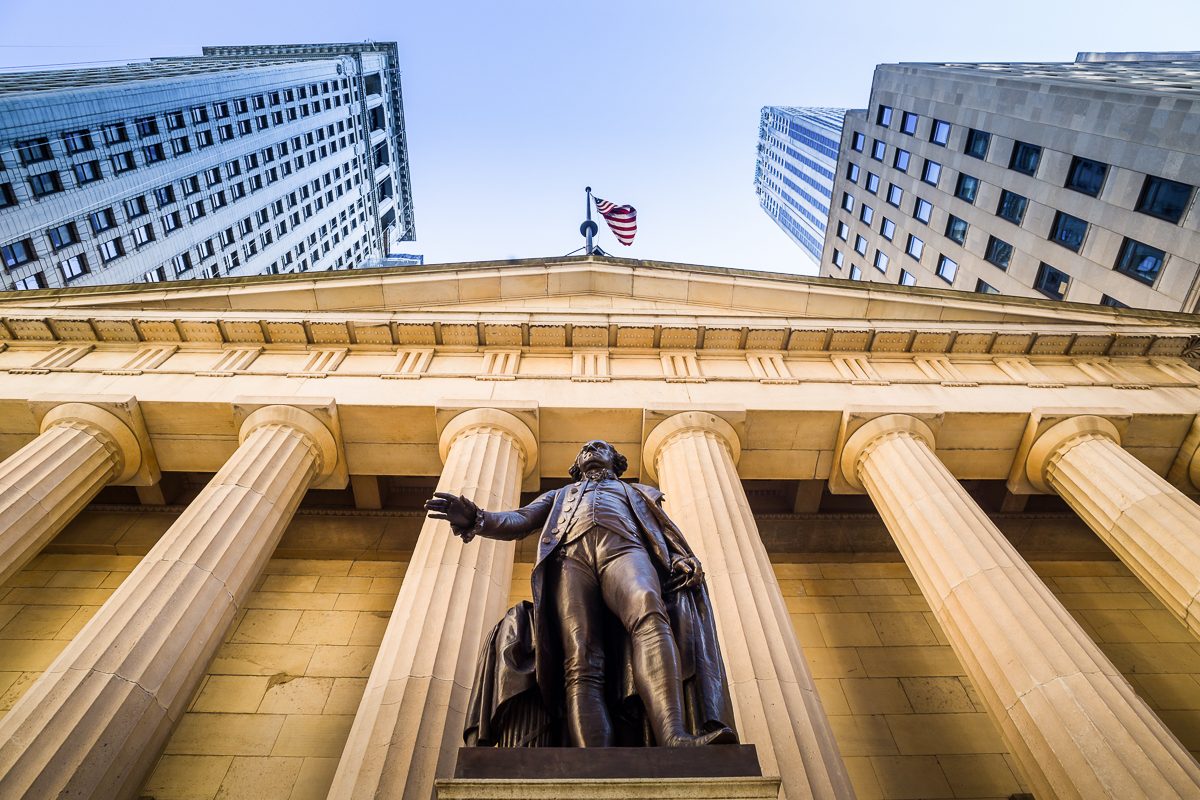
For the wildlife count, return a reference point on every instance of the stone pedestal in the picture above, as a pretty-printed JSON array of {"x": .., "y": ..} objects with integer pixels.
[
  {"x": 693, "y": 456},
  {"x": 95, "y": 722},
  {"x": 752, "y": 788},
  {"x": 1068, "y": 716},
  {"x": 1148, "y": 523},
  {"x": 409, "y": 724},
  {"x": 81, "y": 449}
]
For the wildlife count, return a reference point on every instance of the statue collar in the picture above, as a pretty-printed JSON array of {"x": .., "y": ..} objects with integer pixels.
[{"x": 599, "y": 475}]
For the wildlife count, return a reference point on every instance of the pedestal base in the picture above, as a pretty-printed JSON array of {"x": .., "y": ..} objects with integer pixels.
[
  {"x": 574, "y": 763},
  {"x": 746, "y": 788}
]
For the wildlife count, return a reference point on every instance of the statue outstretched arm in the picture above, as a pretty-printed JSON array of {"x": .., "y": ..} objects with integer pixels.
[{"x": 469, "y": 520}]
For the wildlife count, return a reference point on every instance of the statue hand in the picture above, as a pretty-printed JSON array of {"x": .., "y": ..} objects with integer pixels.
[
  {"x": 455, "y": 509},
  {"x": 686, "y": 572}
]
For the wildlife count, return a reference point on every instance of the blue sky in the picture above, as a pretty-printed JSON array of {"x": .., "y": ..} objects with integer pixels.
[{"x": 512, "y": 108}]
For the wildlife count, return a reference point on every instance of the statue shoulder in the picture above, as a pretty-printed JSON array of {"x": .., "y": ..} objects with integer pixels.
[{"x": 651, "y": 493}]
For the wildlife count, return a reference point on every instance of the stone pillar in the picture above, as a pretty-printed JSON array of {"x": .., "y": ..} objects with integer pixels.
[
  {"x": 95, "y": 722},
  {"x": 409, "y": 725},
  {"x": 1148, "y": 523},
  {"x": 1066, "y": 713},
  {"x": 693, "y": 455},
  {"x": 81, "y": 449}
]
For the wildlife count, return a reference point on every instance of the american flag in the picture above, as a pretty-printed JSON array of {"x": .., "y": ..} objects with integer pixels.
[{"x": 622, "y": 220}]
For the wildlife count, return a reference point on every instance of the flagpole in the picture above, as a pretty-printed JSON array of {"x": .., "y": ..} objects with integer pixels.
[{"x": 588, "y": 228}]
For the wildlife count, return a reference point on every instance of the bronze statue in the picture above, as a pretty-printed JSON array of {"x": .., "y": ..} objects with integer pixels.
[{"x": 620, "y": 613}]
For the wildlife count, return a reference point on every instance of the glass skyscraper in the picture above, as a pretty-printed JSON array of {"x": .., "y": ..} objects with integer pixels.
[
  {"x": 794, "y": 172},
  {"x": 241, "y": 161}
]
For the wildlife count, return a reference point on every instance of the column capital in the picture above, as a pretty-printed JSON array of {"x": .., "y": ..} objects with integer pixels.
[
  {"x": 476, "y": 418},
  {"x": 860, "y": 443},
  {"x": 304, "y": 422},
  {"x": 117, "y": 434},
  {"x": 684, "y": 422},
  {"x": 1059, "y": 438},
  {"x": 1021, "y": 477}
]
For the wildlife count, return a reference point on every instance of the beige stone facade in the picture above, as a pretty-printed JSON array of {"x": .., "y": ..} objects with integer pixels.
[{"x": 950, "y": 539}]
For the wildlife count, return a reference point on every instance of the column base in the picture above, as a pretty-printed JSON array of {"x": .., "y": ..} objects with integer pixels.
[{"x": 746, "y": 788}]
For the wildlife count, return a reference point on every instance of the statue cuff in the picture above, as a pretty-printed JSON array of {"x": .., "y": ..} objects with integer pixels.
[{"x": 476, "y": 528}]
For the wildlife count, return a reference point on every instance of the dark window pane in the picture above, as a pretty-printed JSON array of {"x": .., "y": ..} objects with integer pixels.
[
  {"x": 967, "y": 188},
  {"x": 956, "y": 229},
  {"x": 1164, "y": 199},
  {"x": 908, "y": 123},
  {"x": 1111, "y": 302},
  {"x": 977, "y": 143},
  {"x": 858, "y": 142},
  {"x": 1140, "y": 261},
  {"x": 1025, "y": 157},
  {"x": 1068, "y": 231},
  {"x": 983, "y": 287},
  {"x": 907, "y": 278},
  {"x": 1051, "y": 282},
  {"x": 998, "y": 252},
  {"x": 885, "y": 116},
  {"x": 1086, "y": 176},
  {"x": 1012, "y": 207}
]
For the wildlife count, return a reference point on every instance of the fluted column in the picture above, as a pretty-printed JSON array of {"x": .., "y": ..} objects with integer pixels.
[
  {"x": 1066, "y": 713},
  {"x": 94, "y": 723},
  {"x": 1148, "y": 523},
  {"x": 81, "y": 449},
  {"x": 409, "y": 725},
  {"x": 693, "y": 456}
]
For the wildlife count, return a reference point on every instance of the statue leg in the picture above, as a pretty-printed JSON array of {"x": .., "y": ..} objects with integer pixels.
[
  {"x": 580, "y": 613},
  {"x": 631, "y": 588}
]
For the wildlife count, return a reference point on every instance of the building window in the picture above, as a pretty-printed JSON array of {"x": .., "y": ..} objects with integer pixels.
[
  {"x": 31, "y": 151},
  {"x": 1111, "y": 302},
  {"x": 983, "y": 287},
  {"x": 204, "y": 138},
  {"x": 77, "y": 141},
  {"x": 922, "y": 210},
  {"x": 175, "y": 120},
  {"x": 947, "y": 268},
  {"x": 956, "y": 229},
  {"x": 143, "y": 235},
  {"x": 226, "y": 132},
  {"x": 101, "y": 220},
  {"x": 907, "y": 278},
  {"x": 1051, "y": 282},
  {"x": 884, "y": 116},
  {"x": 967, "y": 188},
  {"x": 1086, "y": 176},
  {"x": 901, "y": 159},
  {"x": 115, "y": 133},
  {"x": 860, "y": 245},
  {"x": 44, "y": 184},
  {"x": 857, "y": 142},
  {"x": 7, "y": 197},
  {"x": 838, "y": 259},
  {"x": 908, "y": 123},
  {"x": 931, "y": 172},
  {"x": 855, "y": 272},
  {"x": 62, "y": 236},
  {"x": 146, "y": 126},
  {"x": 170, "y": 222},
  {"x": 17, "y": 253},
  {"x": 843, "y": 230},
  {"x": 136, "y": 206},
  {"x": 164, "y": 195},
  {"x": 1140, "y": 261},
  {"x": 181, "y": 263},
  {"x": 878, "y": 150},
  {"x": 1068, "y": 231},
  {"x": 1011, "y": 207},
  {"x": 887, "y": 229},
  {"x": 895, "y": 194},
  {"x": 190, "y": 184},
  {"x": 153, "y": 153},
  {"x": 866, "y": 213},
  {"x": 940, "y": 132},
  {"x": 915, "y": 247},
  {"x": 34, "y": 281},
  {"x": 180, "y": 146},
  {"x": 199, "y": 115},
  {"x": 195, "y": 210},
  {"x": 977, "y": 143},
  {"x": 123, "y": 162},
  {"x": 1025, "y": 158},
  {"x": 847, "y": 201},
  {"x": 86, "y": 172},
  {"x": 73, "y": 267},
  {"x": 111, "y": 250},
  {"x": 872, "y": 183},
  {"x": 998, "y": 252},
  {"x": 233, "y": 168},
  {"x": 212, "y": 176},
  {"x": 881, "y": 261},
  {"x": 852, "y": 172},
  {"x": 1164, "y": 199}
]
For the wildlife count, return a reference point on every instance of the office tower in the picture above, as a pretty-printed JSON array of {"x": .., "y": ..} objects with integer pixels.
[
  {"x": 244, "y": 160},
  {"x": 793, "y": 176},
  {"x": 1071, "y": 181}
]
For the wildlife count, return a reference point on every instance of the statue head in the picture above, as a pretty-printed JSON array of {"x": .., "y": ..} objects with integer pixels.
[{"x": 598, "y": 454}]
